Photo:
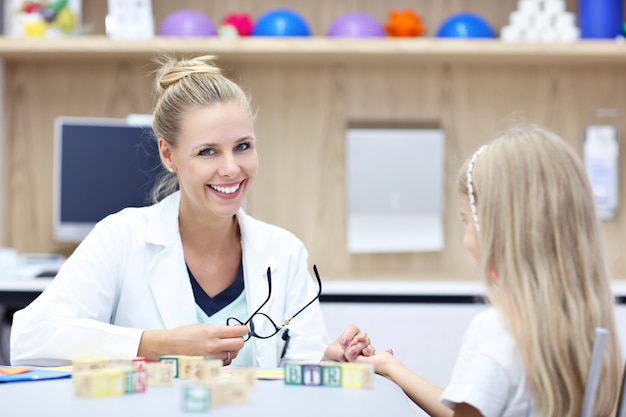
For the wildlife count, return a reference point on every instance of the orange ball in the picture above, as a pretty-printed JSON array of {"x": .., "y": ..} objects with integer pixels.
[{"x": 404, "y": 24}]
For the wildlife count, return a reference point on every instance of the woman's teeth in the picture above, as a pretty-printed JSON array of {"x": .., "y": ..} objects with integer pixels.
[{"x": 225, "y": 190}]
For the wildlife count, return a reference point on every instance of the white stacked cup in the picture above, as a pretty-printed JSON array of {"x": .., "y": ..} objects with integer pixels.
[{"x": 540, "y": 21}]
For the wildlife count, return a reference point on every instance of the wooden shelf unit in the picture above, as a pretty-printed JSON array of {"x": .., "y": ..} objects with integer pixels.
[
  {"x": 251, "y": 49},
  {"x": 308, "y": 90}
]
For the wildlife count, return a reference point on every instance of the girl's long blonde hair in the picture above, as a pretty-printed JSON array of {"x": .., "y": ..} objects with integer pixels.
[{"x": 540, "y": 235}]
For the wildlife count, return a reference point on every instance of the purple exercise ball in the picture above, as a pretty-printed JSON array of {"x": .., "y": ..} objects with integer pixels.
[
  {"x": 187, "y": 23},
  {"x": 356, "y": 25}
]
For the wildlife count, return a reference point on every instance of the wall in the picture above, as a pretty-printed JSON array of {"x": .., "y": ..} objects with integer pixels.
[{"x": 304, "y": 109}]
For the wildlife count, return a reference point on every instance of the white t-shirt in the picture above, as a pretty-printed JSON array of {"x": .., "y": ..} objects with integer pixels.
[{"x": 489, "y": 374}]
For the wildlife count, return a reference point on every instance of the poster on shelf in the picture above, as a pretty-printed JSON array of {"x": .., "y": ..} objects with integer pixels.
[{"x": 41, "y": 18}]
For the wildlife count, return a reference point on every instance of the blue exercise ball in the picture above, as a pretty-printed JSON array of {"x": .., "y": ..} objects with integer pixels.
[
  {"x": 187, "y": 23},
  {"x": 465, "y": 25},
  {"x": 281, "y": 22}
]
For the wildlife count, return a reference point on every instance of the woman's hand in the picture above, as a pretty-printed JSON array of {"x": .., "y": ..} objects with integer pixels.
[
  {"x": 351, "y": 344},
  {"x": 207, "y": 340}
]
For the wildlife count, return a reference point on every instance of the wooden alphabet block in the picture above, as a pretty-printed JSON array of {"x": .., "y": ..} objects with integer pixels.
[
  {"x": 293, "y": 373},
  {"x": 98, "y": 383},
  {"x": 312, "y": 374},
  {"x": 135, "y": 380},
  {"x": 196, "y": 398},
  {"x": 82, "y": 364},
  {"x": 172, "y": 360},
  {"x": 208, "y": 370},
  {"x": 159, "y": 374},
  {"x": 331, "y": 374},
  {"x": 87, "y": 384},
  {"x": 116, "y": 380},
  {"x": 354, "y": 375},
  {"x": 188, "y": 366},
  {"x": 244, "y": 376},
  {"x": 224, "y": 392}
]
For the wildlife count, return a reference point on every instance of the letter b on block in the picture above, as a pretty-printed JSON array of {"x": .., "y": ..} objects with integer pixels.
[{"x": 293, "y": 374}]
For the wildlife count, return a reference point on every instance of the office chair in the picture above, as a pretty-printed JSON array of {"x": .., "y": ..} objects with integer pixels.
[
  {"x": 621, "y": 403},
  {"x": 593, "y": 377}
]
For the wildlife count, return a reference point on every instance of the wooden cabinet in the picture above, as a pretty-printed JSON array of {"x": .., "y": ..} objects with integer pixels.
[{"x": 307, "y": 91}]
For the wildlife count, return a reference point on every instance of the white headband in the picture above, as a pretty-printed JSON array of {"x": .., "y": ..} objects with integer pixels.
[{"x": 470, "y": 187}]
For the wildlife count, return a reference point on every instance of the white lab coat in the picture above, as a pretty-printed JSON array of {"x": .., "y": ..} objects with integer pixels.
[{"x": 129, "y": 275}]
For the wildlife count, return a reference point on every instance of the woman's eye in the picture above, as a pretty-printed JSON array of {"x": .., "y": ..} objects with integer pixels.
[
  {"x": 242, "y": 146},
  {"x": 206, "y": 152}
]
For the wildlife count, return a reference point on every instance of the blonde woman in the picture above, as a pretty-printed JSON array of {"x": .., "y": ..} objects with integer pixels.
[
  {"x": 193, "y": 274},
  {"x": 531, "y": 224}
]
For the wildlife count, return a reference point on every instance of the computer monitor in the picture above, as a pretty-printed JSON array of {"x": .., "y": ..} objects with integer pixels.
[{"x": 101, "y": 166}]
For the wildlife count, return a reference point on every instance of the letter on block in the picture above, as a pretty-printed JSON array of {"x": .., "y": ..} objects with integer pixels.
[
  {"x": 116, "y": 381},
  {"x": 159, "y": 374},
  {"x": 311, "y": 374},
  {"x": 331, "y": 374},
  {"x": 188, "y": 366},
  {"x": 135, "y": 380},
  {"x": 196, "y": 398},
  {"x": 354, "y": 375},
  {"x": 293, "y": 373},
  {"x": 129, "y": 381},
  {"x": 224, "y": 392},
  {"x": 209, "y": 370},
  {"x": 87, "y": 383},
  {"x": 141, "y": 380},
  {"x": 172, "y": 361},
  {"x": 244, "y": 376},
  {"x": 97, "y": 383}
]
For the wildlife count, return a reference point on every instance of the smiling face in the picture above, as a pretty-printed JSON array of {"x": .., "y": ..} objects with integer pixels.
[{"x": 215, "y": 159}]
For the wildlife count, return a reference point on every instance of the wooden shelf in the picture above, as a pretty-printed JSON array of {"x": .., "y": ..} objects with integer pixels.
[{"x": 314, "y": 49}]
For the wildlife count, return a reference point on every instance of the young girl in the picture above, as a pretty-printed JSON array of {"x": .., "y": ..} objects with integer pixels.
[{"x": 530, "y": 223}]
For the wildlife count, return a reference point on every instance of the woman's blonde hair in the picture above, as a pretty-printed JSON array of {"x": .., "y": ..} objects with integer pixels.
[
  {"x": 543, "y": 261},
  {"x": 183, "y": 85}
]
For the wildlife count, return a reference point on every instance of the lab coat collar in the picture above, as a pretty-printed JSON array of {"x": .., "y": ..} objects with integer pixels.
[
  {"x": 257, "y": 257},
  {"x": 168, "y": 277},
  {"x": 162, "y": 224}
]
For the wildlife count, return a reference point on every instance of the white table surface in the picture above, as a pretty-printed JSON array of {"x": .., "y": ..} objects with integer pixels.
[{"x": 55, "y": 398}]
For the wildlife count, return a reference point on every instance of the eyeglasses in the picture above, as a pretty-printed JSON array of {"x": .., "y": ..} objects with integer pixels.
[{"x": 258, "y": 322}]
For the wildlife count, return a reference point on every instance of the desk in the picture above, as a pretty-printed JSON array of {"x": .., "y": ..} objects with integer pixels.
[
  {"x": 55, "y": 398},
  {"x": 436, "y": 313},
  {"x": 18, "y": 293}
]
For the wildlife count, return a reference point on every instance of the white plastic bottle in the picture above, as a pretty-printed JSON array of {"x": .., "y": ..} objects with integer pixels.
[{"x": 601, "y": 157}]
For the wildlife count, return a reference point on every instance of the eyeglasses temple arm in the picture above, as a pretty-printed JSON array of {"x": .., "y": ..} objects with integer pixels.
[
  {"x": 269, "y": 295},
  {"x": 319, "y": 293}
]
